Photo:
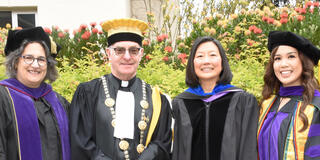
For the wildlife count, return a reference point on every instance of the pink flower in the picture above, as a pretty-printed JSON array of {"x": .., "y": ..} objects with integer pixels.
[
  {"x": 309, "y": 4},
  {"x": 83, "y": 26},
  {"x": 311, "y": 10},
  {"x": 270, "y": 20},
  {"x": 162, "y": 37},
  {"x": 47, "y": 30},
  {"x": 56, "y": 27},
  {"x": 148, "y": 57},
  {"x": 316, "y": 4},
  {"x": 66, "y": 30},
  {"x": 86, "y": 35},
  {"x": 93, "y": 24},
  {"x": 264, "y": 18},
  {"x": 252, "y": 28},
  {"x": 168, "y": 49},
  {"x": 257, "y": 31},
  {"x": 283, "y": 20},
  {"x": 183, "y": 57},
  {"x": 100, "y": 32},
  {"x": 60, "y": 34},
  {"x": 94, "y": 30},
  {"x": 165, "y": 58},
  {"x": 300, "y": 18},
  {"x": 284, "y": 15},
  {"x": 302, "y": 11},
  {"x": 145, "y": 42}
]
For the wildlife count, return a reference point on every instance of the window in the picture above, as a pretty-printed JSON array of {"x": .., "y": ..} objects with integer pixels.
[
  {"x": 5, "y": 17},
  {"x": 26, "y": 20},
  {"x": 18, "y": 19}
]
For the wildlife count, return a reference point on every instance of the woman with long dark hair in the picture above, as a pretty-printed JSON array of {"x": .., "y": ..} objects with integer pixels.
[{"x": 289, "y": 122}]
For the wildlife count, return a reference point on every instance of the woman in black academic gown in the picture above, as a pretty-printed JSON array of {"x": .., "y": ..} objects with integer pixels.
[
  {"x": 289, "y": 122},
  {"x": 33, "y": 118},
  {"x": 213, "y": 119}
]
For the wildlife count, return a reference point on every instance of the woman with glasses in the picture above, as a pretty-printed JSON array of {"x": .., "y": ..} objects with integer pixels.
[
  {"x": 33, "y": 118},
  {"x": 289, "y": 122}
]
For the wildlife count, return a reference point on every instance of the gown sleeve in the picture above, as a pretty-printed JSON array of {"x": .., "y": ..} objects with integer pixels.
[
  {"x": 248, "y": 130},
  {"x": 159, "y": 147},
  {"x": 2, "y": 126},
  {"x": 82, "y": 126}
]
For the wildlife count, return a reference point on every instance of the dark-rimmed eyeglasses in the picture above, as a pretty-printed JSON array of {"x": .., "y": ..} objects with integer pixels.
[
  {"x": 28, "y": 59},
  {"x": 121, "y": 51}
]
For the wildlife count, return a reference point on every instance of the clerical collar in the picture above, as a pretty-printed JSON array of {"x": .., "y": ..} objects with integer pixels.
[
  {"x": 294, "y": 91},
  {"x": 124, "y": 84}
]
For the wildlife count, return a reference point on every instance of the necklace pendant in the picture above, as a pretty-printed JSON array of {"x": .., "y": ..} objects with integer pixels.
[
  {"x": 109, "y": 102},
  {"x": 144, "y": 104},
  {"x": 140, "y": 148},
  {"x": 142, "y": 125},
  {"x": 124, "y": 145},
  {"x": 113, "y": 123}
]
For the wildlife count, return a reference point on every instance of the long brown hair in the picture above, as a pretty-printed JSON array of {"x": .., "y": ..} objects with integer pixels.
[{"x": 309, "y": 83}]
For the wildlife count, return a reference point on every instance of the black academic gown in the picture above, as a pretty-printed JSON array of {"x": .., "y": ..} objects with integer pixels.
[
  {"x": 224, "y": 129},
  {"x": 92, "y": 132},
  {"x": 49, "y": 132}
]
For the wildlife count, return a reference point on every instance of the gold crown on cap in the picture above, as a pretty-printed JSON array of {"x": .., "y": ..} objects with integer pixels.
[{"x": 124, "y": 25}]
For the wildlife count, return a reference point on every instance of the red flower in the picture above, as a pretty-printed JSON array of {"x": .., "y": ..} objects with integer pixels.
[
  {"x": 83, "y": 26},
  {"x": 100, "y": 32},
  {"x": 162, "y": 37},
  {"x": 300, "y": 18},
  {"x": 283, "y": 20},
  {"x": 159, "y": 38},
  {"x": 93, "y": 24},
  {"x": 165, "y": 58},
  {"x": 56, "y": 27},
  {"x": 311, "y": 10},
  {"x": 148, "y": 57},
  {"x": 85, "y": 35},
  {"x": 60, "y": 34},
  {"x": 1, "y": 40},
  {"x": 168, "y": 49},
  {"x": 94, "y": 30},
  {"x": 308, "y": 4},
  {"x": 264, "y": 18},
  {"x": 66, "y": 30},
  {"x": 284, "y": 15},
  {"x": 257, "y": 31},
  {"x": 252, "y": 28},
  {"x": 47, "y": 30},
  {"x": 302, "y": 11},
  {"x": 316, "y": 4},
  {"x": 145, "y": 42},
  {"x": 182, "y": 57},
  {"x": 270, "y": 20}
]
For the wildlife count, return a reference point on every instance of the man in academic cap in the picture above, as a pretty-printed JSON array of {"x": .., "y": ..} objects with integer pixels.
[{"x": 119, "y": 116}]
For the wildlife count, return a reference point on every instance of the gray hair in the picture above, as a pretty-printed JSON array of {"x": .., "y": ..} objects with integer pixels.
[{"x": 13, "y": 58}]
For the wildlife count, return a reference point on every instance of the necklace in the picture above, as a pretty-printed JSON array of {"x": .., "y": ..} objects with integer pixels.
[{"x": 142, "y": 124}]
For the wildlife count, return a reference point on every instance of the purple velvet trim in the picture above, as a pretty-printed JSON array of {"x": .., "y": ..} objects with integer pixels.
[
  {"x": 21, "y": 96},
  {"x": 220, "y": 94},
  {"x": 28, "y": 126},
  {"x": 314, "y": 130},
  {"x": 313, "y": 151},
  {"x": 294, "y": 91},
  {"x": 268, "y": 137}
]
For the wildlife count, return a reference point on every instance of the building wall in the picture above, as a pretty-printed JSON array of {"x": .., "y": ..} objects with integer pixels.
[{"x": 69, "y": 14}]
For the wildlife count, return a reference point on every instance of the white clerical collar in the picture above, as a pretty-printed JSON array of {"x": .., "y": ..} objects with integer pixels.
[{"x": 124, "y": 83}]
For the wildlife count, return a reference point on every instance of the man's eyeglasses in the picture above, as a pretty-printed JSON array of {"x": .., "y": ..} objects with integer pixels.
[
  {"x": 28, "y": 59},
  {"x": 121, "y": 51}
]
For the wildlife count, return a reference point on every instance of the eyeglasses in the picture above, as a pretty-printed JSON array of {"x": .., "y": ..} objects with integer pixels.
[
  {"x": 28, "y": 59},
  {"x": 121, "y": 51}
]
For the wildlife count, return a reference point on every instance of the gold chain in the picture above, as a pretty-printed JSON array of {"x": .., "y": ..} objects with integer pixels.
[{"x": 142, "y": 124}]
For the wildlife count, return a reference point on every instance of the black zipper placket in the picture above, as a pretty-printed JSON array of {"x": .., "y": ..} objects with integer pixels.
[{"x": 207, "y": 104}]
